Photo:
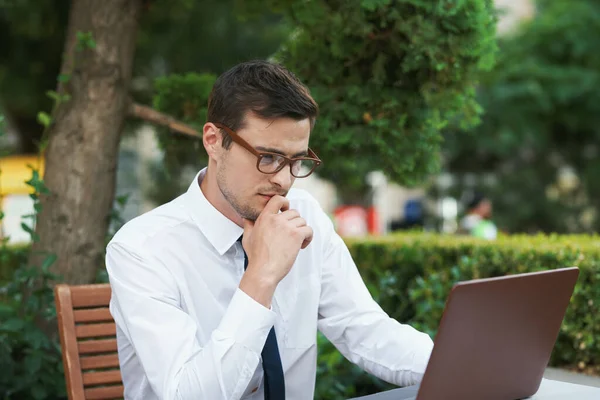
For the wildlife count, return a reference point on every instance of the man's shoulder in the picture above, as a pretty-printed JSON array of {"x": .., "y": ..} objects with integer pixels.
[{"x": 152, "y": 224}]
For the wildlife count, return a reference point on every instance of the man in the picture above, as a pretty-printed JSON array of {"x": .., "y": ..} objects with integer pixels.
[
  {"x": 477, "y": 222},
  {"x": 201, "y": 315}
]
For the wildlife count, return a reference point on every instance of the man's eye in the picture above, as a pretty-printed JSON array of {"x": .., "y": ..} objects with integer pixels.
[{"x": 267, "y": 159}]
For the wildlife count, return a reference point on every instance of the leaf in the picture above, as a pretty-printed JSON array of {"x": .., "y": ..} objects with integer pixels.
[
  {"x": 27, "y": 228},
  {"x": 85, "y": 40},
  {"x": 64, "y": 78},
  {"x": 44, "y": 119},
  {"x": 48, "y": 261},
  {"x": 122, "y": 200},
  {"x": 12, "y": 325},
  {"x": 53, "y": 95}
]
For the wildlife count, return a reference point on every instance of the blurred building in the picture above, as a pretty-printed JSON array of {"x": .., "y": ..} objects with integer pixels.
[{"x": 512, "y": 12}]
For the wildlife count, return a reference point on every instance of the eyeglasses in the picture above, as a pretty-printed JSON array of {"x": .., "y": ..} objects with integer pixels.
[{"x": 271, "y": 163}]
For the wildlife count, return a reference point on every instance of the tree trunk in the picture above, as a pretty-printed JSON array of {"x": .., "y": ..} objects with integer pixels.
[{"x": 83, "y": 141}]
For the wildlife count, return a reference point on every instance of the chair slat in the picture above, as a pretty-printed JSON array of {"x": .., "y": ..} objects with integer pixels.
[
  {"x": 90, "y": 295},
  {"x": 93, "y": 315},
  {"x": 97, "y": 346},
  {"x": 68, "y": 341},
  {"x": 96, "y": 330},
  {"x": 87, "y": 331},
  {"x": 101, "y": 378},
  {"x": 106, "y": 392},
  {"x": 97, "y": 362}
]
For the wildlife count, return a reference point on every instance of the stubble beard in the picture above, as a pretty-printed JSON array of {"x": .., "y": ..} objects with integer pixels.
[{"x": 244, "y": 211}]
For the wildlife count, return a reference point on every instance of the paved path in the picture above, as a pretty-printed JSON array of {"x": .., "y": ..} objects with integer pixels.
[{"x": 571, "y": 377}]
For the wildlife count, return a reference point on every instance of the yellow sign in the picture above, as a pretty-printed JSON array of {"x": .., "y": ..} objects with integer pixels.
[{"x": 15, "y": 171}]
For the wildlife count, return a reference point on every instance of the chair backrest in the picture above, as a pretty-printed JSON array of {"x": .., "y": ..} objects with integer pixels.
[{"x": 89, "y": 345}]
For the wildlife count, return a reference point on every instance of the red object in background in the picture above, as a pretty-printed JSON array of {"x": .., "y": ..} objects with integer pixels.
[
  {"x": 373, "y": 221},
  {"x": 353, "y": 220},
  {"x": 350, "y": 220}
]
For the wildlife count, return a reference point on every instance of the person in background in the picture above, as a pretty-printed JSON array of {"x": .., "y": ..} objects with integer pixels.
[{"x": 477, "y": 221}]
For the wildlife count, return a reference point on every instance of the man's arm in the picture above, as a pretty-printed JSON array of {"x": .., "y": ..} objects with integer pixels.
[
  {"x": 359, "y": 328},
  {"x": 145, "y": 305}
]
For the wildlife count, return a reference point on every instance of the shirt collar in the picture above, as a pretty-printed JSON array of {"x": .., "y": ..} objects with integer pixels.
[{"x": 220, "y": 231}]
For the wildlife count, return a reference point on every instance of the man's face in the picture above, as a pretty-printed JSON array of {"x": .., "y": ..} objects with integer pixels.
[{"x": 244, "y": 187}]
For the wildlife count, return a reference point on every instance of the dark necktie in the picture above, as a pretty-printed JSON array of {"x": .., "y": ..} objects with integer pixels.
[{"x": 274, "y": 382}]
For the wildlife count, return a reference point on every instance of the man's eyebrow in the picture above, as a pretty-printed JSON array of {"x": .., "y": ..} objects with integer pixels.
[{"x": 272, "y": 150}]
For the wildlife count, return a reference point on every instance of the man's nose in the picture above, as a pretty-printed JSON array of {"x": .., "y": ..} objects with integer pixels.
[{"x": 283, "y": 178}]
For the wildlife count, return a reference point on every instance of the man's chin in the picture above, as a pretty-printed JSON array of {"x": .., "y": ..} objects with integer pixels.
[{"x": 251, "y": 215}]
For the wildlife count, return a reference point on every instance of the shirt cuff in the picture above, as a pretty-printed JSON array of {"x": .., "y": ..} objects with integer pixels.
[
  {"x": 424, "y": 346},
  {"x": 247, "y": 321}
]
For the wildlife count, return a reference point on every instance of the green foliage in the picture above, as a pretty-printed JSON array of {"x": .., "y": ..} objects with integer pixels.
[
  {"x": 542, "y": 103},
  {"x": 11, "y": 260},
  {"x": 30, "y": 360},
  {"x": 388, "y": 76},
  {"x": 85, "y": 40},
  {"x": 410, "y": 276},
  {"x": 205, "y": 37},
  {"x": 185, "y": 97}
]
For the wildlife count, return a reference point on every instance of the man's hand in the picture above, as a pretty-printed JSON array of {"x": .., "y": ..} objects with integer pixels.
[{"x": 272, "y": 243}]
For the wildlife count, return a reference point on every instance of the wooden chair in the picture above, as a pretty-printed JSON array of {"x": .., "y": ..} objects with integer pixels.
[{"x": 89, "y": 346}]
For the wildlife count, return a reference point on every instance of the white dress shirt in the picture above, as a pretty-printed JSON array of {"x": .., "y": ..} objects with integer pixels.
[{"x": 186, "y": 331}]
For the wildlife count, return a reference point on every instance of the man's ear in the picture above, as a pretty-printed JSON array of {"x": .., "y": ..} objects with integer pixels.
[{"x": 211, "y": 139}]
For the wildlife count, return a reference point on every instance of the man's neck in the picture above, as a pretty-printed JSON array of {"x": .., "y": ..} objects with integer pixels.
[{"x": 210, "y": 189}]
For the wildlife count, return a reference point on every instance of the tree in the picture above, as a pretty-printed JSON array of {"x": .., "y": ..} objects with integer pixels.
[
  {"x": 539, "y": 137},
  {"x": 83, "y": 138},
  {"x": 389, "y": 76}
]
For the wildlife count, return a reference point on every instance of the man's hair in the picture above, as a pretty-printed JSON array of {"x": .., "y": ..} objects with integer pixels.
[{"x": 265, "y": 88}]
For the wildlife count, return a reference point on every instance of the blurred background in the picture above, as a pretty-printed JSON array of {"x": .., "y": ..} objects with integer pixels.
[
  {"x": 534, "y": 153},
  {"x": 454, "y": 118}
]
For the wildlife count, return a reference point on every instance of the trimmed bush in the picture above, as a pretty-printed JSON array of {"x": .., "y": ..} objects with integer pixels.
[{"x": 411, "y": 274}]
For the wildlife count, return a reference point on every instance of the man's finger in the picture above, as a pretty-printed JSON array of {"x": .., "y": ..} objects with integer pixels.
[
  {"x": 308, "y": 235},
  {"x": 290, "y": 214},
  {"x": 276, "y": 204},
  {"x": 298, "y": 222}
]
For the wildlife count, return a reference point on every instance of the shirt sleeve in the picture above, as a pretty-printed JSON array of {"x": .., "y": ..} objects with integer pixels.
[
  {"x": 359, "y": 328},
  {"x": 146, "y": 307}
]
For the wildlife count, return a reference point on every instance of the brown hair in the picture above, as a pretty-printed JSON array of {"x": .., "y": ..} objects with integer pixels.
[{"x": 265, "y": 88}]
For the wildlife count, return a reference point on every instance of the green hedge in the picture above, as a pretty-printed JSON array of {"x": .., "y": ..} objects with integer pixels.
[{"x": 411, "y": 274}]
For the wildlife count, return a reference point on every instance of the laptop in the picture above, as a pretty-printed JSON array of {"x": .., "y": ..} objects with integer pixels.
[{"x": 495, "y": 338}]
